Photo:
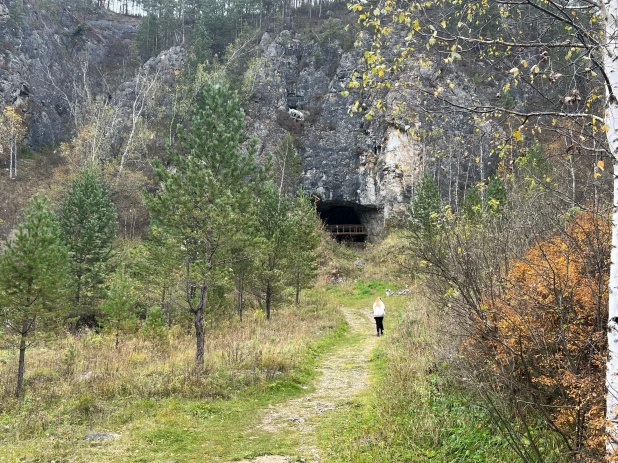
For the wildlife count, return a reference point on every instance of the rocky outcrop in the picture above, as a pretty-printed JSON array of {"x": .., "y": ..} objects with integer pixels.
[
  {"x": 347, "y": 159},
  {"x": 52, "y": 56},
  {"x": 48, "y": 51},
  {"x": 4, "y": 12},
  {"x": 370, "y": 164}
]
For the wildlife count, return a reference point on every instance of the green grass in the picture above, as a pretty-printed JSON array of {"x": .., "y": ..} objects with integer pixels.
[
  {"x": 164, "y": 428},
  {"x": 411, "y": 413},
  {"x": 372, "y": 288},
  {"x": 178, "y": 429},
  {"x": 175, "y": 429},
  {"x": 361, "y": 294}
]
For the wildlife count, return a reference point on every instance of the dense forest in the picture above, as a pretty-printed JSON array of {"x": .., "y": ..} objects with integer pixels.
[{"x": 168, "y": 289}]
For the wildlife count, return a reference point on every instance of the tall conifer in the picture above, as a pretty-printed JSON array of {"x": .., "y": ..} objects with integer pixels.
[
  {"x": 89, "y": 223},
  {"x": 207, "y": 194},
  {"x": 33, "y": 273}
]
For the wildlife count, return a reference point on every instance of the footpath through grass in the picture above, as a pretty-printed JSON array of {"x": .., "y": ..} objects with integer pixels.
[
  {"x": 411, "y": 413},
  {"x": 148, "y": 397}
]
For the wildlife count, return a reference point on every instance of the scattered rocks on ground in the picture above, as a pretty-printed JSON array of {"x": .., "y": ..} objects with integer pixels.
[
  {"x": 269, "y": 459},
  {"x": 401, "y": 292},
  {"x": 99, "y": 436},
  {"x": 366, "y": 441},
  {"x": 321, "y": 410}
]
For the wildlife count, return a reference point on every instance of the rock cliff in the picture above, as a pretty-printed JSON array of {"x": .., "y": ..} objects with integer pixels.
[
  {"x": 359, "y": 168},
  {"x": 366, "y": 164},
  {"x": 347, "y": 160},
  {"x": 47, "y": 51}
]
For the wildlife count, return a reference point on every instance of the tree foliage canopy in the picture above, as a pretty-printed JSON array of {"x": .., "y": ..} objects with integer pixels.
[
  {"x": 206, "y": 197},
  {"x": 89, "y": 224},
  {"x": 33, "y": 277}
]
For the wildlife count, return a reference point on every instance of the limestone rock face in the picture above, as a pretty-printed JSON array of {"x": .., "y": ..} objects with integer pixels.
[
  {"x": 364, "y": 160},
  {"x": 46, "y": 51},
  {"x": 369, "y": 161},
  {"x": 347, "y": 159}
]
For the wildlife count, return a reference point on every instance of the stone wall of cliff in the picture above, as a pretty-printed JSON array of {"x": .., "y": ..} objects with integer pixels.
[
  {"x": 298, "y": 82},
  {"x": 48, "y": 51},
  {"x": 370, "y": 164}
]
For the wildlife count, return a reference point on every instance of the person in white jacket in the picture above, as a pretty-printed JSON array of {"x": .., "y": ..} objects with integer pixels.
[{"x": 378, "y": 315}]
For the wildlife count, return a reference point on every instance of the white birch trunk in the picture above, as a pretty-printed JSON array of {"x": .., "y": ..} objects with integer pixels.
[
  {"x": 13, "y": 136},
  {"x": 15, "y": 159},
  {"x": 609, "y": 13},
  {"x": 612, "y": 331},
  {"x": 143, "y": 89},
  {"x": 10, "y": 160}
]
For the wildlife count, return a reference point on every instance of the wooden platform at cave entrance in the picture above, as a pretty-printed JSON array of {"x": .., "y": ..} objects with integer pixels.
[{"x": 347, "y": 229}]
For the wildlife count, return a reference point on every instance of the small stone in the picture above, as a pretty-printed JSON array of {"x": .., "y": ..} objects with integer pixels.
[
  {"x": 98, "y": 436},
  {"x": 84, "y": 377}
]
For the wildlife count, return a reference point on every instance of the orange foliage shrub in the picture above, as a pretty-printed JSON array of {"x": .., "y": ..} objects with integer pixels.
[{"x": 544, "y": 332}]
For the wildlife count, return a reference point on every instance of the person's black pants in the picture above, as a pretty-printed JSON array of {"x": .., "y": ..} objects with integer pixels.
[{"x": 379, "y": 326}]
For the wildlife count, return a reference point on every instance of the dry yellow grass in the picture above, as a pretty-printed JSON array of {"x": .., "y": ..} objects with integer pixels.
[{"x": 90, "y": 369}]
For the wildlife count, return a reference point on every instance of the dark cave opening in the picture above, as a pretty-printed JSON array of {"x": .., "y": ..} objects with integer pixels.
[
  {"x": 338, "y": 215},
  {"x": 344, "y": 222}
]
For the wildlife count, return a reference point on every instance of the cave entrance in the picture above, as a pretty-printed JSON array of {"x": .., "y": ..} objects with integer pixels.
[{"x": 343, "y": 222}]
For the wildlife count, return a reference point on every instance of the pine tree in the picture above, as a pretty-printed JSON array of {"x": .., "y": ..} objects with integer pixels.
[
  {"x": 16, "y": 15},
  {"x": 473, "y": 205},
  {"x": 306, "y": 227},
  {"x": 496, "y": 196},
  {"x": 289, "y": 234},
  {"x": 275, "y": 231},
  {"x": 161, "y": 262},
  {"x": 89, "y": 224},
  {"x": 208, "y": 189},
  {"x": 118, "y": 307},
  {"x": 33, "y": 273}
]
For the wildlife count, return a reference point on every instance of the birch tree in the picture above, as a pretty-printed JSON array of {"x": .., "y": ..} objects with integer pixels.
[
  {"x": 145, "y": 89},
  {"x": 306, "y": 229},
  {"x": 609, "y": 17},
  {"x": 287, "y": 166},
  {"x": 555, "y": 61},
  {"x": 12, "y": 131}
]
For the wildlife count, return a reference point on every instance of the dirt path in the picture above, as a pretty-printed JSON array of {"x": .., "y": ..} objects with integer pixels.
[{"x": 342, "y": 375}]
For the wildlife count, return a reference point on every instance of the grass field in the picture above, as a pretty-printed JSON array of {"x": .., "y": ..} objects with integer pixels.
[
  {"x": 411, "y": 413},
  {"x": 146, "y": 391},
  {"x": 147, "y": 394}
]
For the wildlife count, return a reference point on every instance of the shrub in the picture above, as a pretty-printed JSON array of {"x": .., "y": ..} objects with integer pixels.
[{"x": 543, "y": 337}]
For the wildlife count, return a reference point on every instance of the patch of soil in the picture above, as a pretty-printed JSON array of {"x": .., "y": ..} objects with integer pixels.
[{"x": 268, "y": 459}]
